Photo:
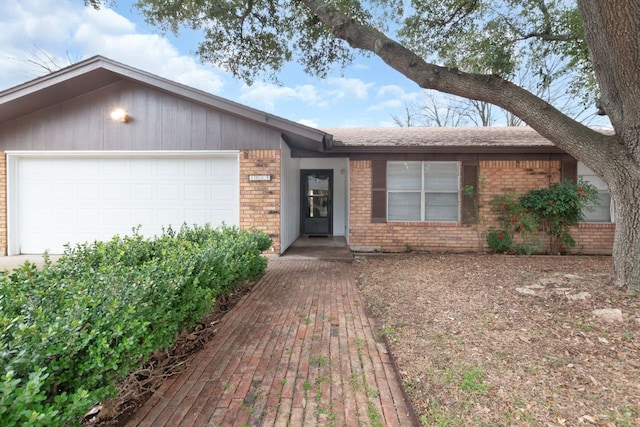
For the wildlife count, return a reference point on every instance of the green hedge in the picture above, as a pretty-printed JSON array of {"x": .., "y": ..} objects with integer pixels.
[{"x": 73, "y": 329}]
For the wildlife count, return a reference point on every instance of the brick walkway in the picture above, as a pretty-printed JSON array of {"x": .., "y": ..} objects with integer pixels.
[{"x": 299, "y": 350}]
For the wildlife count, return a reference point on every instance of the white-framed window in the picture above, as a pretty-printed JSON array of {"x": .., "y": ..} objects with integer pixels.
[
  {"x": 423, "y": 191},
  {"x": 603, "y": 212}
]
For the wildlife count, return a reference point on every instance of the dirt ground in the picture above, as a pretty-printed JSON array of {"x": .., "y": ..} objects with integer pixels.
[{"x": 496, "y": 340}]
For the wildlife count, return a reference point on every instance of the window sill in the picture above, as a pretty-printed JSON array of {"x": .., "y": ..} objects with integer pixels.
[
  {"x": 425, "y": 223},
  {"x": 607, "y": 225}
]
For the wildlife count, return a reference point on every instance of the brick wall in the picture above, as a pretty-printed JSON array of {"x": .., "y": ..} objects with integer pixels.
[
  {"x": 260, "y": 200},
  {"x": 506, "y": 176},
  {"x": 593, "y": 238},
  {"x": 499, "y": 177}
]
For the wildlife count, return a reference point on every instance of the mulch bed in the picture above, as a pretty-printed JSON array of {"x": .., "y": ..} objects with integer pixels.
[{"x": 488, "y": 340}]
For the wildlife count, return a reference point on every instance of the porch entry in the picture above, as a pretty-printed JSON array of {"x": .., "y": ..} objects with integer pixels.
[{"x": 317, "y": 202}]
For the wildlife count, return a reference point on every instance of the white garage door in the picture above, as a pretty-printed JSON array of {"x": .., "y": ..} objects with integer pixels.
[{"x": 77, "y": 199}]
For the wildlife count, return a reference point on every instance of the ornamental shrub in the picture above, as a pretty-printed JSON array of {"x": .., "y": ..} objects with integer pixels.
[
  {"x": 73, "y": 329},
  {"x": 512, "y": 219},
  {"x": 552, "y": 210},
  {"x": 558, "y": 208},
  {"x": 499, "y": 241}
]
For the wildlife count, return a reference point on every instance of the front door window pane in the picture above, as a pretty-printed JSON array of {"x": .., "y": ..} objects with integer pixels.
[{"x": 317, "y": 196}]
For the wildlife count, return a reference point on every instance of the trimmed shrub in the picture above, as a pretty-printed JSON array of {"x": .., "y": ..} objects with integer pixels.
[{"x": 73, "y": 329}]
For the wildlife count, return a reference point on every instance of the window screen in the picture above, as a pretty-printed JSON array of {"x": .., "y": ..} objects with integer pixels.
[
  {"x": 422, "y": 191},
  {"x": 601, "y": 212}
]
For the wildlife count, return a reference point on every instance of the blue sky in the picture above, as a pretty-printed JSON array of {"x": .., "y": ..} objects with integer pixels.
[{"x": 368, "y": 93}]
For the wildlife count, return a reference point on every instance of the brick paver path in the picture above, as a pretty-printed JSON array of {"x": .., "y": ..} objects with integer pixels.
[{"x": 299, "y": 350}]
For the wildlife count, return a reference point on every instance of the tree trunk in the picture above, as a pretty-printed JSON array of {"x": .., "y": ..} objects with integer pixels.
[
  {"x": 626, "y": 246},
  {"x": 611, "y": 31}
]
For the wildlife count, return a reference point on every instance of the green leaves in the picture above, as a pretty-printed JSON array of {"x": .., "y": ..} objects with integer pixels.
[
  {"x": 514, "y": 39},
  {"x": 560, "y": 207},
  {"x": 72, "y": 330},
  {"x": 254, "y": 37},
  {"x": 553, "y": 210},
  {"x": 499, "y": 37}
]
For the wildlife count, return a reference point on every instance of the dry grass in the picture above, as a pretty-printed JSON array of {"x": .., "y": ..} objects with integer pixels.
[{"x": 490, "y": 340}]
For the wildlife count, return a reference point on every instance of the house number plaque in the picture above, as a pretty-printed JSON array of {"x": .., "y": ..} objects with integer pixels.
[{"x": 259, "y": 177}]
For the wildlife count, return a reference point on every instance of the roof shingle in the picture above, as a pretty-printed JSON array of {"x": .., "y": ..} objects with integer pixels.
[{"x": 438, "y": 137}]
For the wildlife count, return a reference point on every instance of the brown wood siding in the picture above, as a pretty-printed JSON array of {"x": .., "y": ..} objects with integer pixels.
[
  {"x": 158, "y": 122},
  {"x": 469, "y": 205},
  {"x": 569, "y": 170},
  {"x": 379, "y": 191}
]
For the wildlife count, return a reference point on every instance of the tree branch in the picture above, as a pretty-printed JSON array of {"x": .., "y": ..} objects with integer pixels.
[
  {"x": 548, "y": 36},
  {"x": 468, "y": 8},
  {"x": 563, "y": 131}
]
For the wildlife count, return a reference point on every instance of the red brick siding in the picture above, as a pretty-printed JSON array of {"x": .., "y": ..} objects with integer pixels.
[
  {"x": 260, "y": 200},
  {"x": 499, "y": 177},
  {"x": 593, "y": 238},
  {"x": 502, "y": 177}
]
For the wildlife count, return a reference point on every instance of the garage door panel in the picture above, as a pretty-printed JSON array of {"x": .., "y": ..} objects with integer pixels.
[
  {"x": 167, "y": 167},
  {"x": 168, "y": 192},
  {"x": 141, "y": 192},
  {"x": 39, "y": 191},
  {"x": 89, "y": 191},
  {"x": 87, "y": 218},
  {"x": 142, "y": 168},
  {"x": 198, "y": 167},
  {"x": 196, "y": 192},
  {"x": 85, "y": 199},
  {"x": 111, "y": 192},
  {"x": 193, "y": 216},
  {"x": 142, "y": 216}
]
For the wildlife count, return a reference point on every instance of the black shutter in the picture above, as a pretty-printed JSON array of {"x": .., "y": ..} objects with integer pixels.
[
  {"x": 569, "y": 171},
  {"x": 469, "y": 205},
  {"x": 378, "y": 191}
]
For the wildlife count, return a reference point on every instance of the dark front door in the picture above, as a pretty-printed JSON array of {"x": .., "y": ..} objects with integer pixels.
[{"x": 317, "y": 200}]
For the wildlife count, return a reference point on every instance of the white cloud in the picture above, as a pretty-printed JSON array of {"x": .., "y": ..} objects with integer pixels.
[
  {"x": 386, "y": 105},
  {"x": 343, "y": 87},
  {"x": 267, "y": 95},
  {"x": 29, "y": 34},
  {"x": 309, "y": 123},
  {"x": 68, "y": 31},
  {"x": 393, "y": 98},
  {"x": 330, "y": 93},
  {"x": 398, "y": 92}
]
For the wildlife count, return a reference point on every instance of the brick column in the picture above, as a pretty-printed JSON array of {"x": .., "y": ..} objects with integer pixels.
[{"x": 260, "y": 197}]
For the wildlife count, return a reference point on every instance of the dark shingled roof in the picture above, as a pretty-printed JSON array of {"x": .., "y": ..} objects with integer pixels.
[{"x": 438, "y": 137}]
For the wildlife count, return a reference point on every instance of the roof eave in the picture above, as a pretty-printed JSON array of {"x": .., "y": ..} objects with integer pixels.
[{"x": 443, "y": 149}]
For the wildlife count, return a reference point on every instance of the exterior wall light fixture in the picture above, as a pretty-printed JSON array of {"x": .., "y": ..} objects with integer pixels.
[{"x": 120, "y": 115}]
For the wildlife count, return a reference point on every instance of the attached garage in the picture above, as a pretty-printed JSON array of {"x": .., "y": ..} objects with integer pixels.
[
  {"x": 64, "y": 198},
  {"x": 100, "y": 148}
]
